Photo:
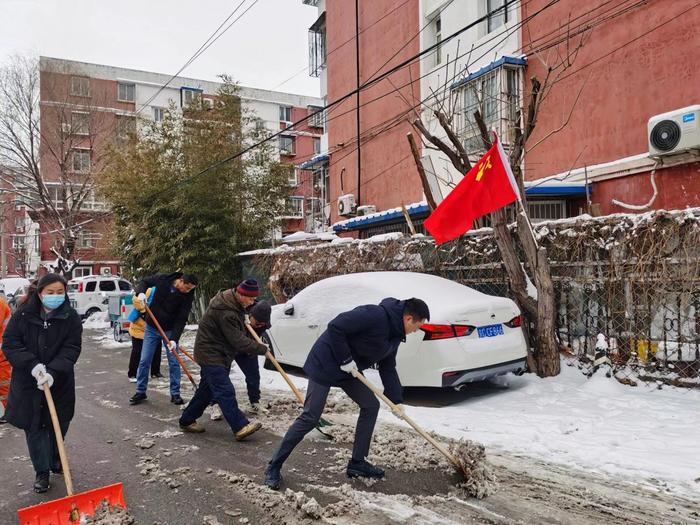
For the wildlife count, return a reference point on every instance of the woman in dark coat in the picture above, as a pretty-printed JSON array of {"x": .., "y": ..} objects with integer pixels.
[{"x": 42, "y": 343}]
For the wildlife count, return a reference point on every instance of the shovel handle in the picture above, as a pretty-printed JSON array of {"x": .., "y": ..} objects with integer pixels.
[
  {"x": 59, "y": 440},
  {"x": 167, "y": 342},
  {"x": 276, "y": 364},
  {"x": 441, "y": 448}
]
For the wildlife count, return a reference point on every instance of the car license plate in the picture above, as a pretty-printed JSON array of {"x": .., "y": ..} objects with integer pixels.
[{"x": 490, "y": 331}]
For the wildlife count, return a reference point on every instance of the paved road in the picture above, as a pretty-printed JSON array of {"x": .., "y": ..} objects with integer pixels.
[{"x": 211, "y": 479}]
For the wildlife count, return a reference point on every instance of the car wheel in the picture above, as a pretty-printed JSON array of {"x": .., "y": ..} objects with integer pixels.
[
  {"x": 91, "y": 311},
  {"x": 117, "y": 333}
]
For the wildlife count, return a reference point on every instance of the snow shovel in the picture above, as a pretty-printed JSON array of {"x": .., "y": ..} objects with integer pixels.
[
  {"x": 321, "y": 422},
  {"x": 167, "y": 342},
  {"x": 396, "y": 410},
  {"x": 67, "y": 511}
]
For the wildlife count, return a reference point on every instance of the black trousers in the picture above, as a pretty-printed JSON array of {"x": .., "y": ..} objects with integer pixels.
[
  {"x": 135, "y": 357},
  {"x": 315, "y": 402},
  {"x": 42, "y": 446}
]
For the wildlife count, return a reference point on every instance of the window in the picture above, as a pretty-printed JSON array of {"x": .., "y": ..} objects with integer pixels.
[
  {"x": 107, "y": 286},
  {"x": 56, "y": 196},
  {"x": 285, "y": 114},
  {"x": 87, "y": 239},
  {"x": 124, "y": 286},
  {"x": 287, "y": 145},
  {"x": 80, "y": 86},
  {"x": 19, "y": 223},
  {"x": 496, "y": 95},
  {"x": 80, "y": 123},
  {"x": 90, "y": 287},
  {"x": 82, "y": 271},
  {"x": 126, "y": 127},
  {"x": 189, "y": 96},
  {"x": 546, "y": 210},
  {"x": 438, "y": 40},
  {"x": 317, "y": 145},
  {"x": 158, "y": 114},
  {"x": 91, "y": 202},
  {"x": 317, "y": 46},
  {"x": 293, "y": 179},
  {"x": 496, "y": 19},
  {"x": 313, "y": 205},
  {"x": 126, "y": 92},
  {"x": 296, "y": 206},
  {"x": 18, "y": 243},
  {"x": 317, "y": 120},
  {"x": 80, "y": 160}
]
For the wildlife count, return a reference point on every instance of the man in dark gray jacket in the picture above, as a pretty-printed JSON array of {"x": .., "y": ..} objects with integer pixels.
[
  {"x": 221, "y": 335},
  {"x": 354, "y": 340}
]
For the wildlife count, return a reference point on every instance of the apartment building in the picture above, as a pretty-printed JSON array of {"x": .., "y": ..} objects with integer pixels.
[{"x": 83, "y": 106}]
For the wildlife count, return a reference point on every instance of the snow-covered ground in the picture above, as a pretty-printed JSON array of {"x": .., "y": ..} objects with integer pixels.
[{"x": 642, "y": 434}]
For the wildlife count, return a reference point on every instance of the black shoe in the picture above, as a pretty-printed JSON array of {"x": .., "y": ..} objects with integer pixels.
[
  {"x": 157, "y": 375},
  {"x": 137, "y": 398},
  {"x": 2, "y": 420},
  {"x": 273, "y": 477},
  {"x": 41, "y": 483},
  {"x": 177, "y": 400},
  {"x": 363, "y": 469}
]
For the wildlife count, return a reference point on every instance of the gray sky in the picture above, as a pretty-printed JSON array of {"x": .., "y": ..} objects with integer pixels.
[{"x": 264, "y": 48}]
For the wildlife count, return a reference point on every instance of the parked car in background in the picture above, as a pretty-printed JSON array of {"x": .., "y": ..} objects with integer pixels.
[
  {"x": 18, "y": 297},
  {"x": 10, "y": 285},
  {"x": 471, "y": 336},
  {"x": 90, "y": 294}
]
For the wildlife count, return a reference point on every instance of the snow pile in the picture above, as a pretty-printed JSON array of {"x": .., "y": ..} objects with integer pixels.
[
  {"x": 106, "y": 515},
  {"x": 97, "y": 321}
]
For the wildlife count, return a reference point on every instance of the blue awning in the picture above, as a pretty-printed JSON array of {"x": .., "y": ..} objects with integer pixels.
[
  {"x": 382, "y": 217},
  {"x": 313, "y": 161},
  {"x": 506, "y": 60},
  {"x": 556, "y": 190}
]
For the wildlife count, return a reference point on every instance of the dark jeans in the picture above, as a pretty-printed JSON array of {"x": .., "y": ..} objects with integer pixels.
[
  {"x": 135, "y": 357},
  {"x": 249, "y": 366},
  {"x": 315, "y": 402},
  {"x": 215, "y": 385},
  {"x": 43, "y": 449}
]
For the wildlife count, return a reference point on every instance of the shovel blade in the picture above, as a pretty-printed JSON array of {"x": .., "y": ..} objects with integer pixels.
[{"x": 60, "y": 511}]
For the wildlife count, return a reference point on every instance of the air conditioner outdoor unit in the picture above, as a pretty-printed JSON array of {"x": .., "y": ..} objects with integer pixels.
[
  {"x": 106, "y": 271},
  {"x": 366, "y": 209},
  {"x": 674, "y": 132},
  {"x": 346, "y": 204}
]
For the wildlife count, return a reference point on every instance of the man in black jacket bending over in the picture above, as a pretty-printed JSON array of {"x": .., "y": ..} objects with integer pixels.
[
  {"x": 354, "y": 340},
  {"x": 171, "y": 303}
]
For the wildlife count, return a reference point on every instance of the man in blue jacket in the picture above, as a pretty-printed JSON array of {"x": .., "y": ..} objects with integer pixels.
[{"x": 354, "y": 340}]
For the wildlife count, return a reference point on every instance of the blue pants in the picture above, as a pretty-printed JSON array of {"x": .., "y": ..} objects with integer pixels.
[
  {"x": 215, "y": 385},
  {"x": 249, "y": 366},
  {"x": 151, "y": 341}
]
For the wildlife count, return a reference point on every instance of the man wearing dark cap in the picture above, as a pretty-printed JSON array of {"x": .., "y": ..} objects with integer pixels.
[
  {"x": 221, "y": 336},
  {"x": 170, "y": 301}
]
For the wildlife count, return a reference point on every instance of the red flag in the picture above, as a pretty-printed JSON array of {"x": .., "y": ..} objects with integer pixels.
[{"x": 488, "y": 186}]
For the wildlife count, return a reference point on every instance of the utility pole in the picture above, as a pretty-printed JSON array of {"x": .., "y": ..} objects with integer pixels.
[
  {"x": 357, "y": 113},
  {"x": 3, "y": 248}
]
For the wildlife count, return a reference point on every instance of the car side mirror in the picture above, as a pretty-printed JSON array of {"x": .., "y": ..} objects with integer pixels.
[{"x": 288, "y": 309}]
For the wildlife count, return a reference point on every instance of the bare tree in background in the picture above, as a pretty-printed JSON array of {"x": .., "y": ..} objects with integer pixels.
[
  {"x": 50, "y": 150},
  {"x": 452, "y": 115}
]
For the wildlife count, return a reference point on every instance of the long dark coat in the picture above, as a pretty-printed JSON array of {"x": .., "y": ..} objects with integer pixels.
[
  {"x": 56, "y": 342},
  {"x": 368, "y": 335}
]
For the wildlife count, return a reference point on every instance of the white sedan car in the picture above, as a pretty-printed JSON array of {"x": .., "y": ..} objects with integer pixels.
[{"x": 471, "y": 336}]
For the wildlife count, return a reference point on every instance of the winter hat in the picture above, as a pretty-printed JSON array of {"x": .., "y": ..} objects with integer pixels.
[
  {"x": 249, "y": 288},
  {"x": 261, "y": 311}
]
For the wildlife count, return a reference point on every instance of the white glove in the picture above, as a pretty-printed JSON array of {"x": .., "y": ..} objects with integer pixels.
[
  {"x": 349, "y": 367},
  {"x": 38, "y": 370},
  {"x": 44, "y": 378},
  {"x": 141, "y": 297},
  {"x": 172, "y": 346}
]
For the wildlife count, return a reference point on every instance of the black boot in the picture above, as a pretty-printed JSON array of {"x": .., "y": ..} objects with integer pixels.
[
  {"x": 2, "y": 420},
  {"x": 137, "y": 398},
  {"x": 177, "y": 400},
  {"x": 41, "y": 483},
  {"x": 363, "y": 469},
  {"x": 273, "y": 477}
]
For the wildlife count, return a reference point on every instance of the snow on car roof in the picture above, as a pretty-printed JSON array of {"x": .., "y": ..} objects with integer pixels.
[{"x": 336, "y": 294}]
